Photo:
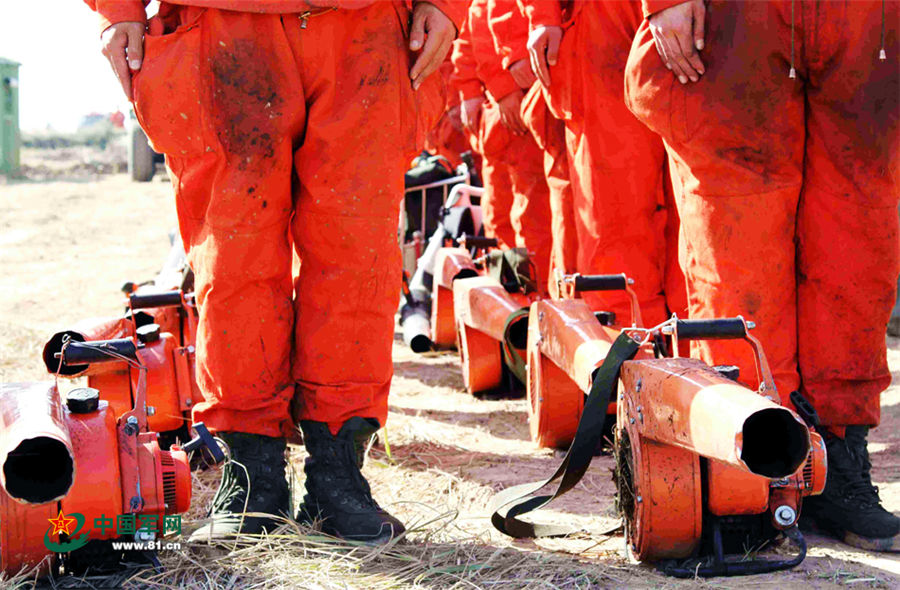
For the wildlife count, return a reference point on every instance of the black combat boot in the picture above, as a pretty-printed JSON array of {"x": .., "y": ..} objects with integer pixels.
[
  {"x": 337, "y": 493},
  {"x": 264, "y": 491},
  {"x": 850, "y": 508}
]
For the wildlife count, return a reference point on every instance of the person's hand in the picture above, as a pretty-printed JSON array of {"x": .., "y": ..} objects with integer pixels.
[
  {"x": 678, "y": 33},
  {"x": 471, "y": 113},
  {"x": 543, "y": 49},
  {"x": 123, "y": 46},
  {"x": 428, "y": 19},
  {"x": 522, "y": 74},
  {"x": 454, "y": 114},
  {"x": 511, "y": 112}
]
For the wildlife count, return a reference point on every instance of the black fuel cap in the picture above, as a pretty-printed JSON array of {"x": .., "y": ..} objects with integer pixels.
[
  {"x": 606, "y": 318},
  {"x": 83, "y": 400},
  {"x": 148, "y": 333},
  {"x": 728, "y": 371}
]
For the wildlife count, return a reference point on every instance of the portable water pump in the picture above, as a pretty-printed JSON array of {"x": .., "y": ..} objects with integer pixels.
[{"x": 74, "y": 472}]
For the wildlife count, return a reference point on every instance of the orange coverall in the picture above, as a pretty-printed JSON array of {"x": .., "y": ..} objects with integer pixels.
[
  {"x": 788, "y": 189},
  {"x": 509, "y": 31},
  {"x": 513, "y": 165},
  {"x": 617, "y": 164},
  {"x": 279, "y": 129},
  {"x": 447, "y": 138}
]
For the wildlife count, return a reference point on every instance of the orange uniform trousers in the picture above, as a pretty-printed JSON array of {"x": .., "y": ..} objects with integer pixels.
[
  {"x": 278, "y": 135},
  {"x": 517, "y": 208},
  {"x": 550, "y": 135},
  {"x": 618, "y": 166},
  {"x": 788, "y": 189}
]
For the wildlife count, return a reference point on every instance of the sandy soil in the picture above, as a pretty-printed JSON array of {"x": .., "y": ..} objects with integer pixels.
[{"x": 66, "y": 245}]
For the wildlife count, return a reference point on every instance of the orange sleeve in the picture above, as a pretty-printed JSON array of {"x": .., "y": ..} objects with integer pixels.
[
  {"x": 654, "y": 6},
  {"x": 509, "y": 30},
  {"x": 464, "y": 78},
  {"x": 454, "y": 9},
  {"x": 118, "y": 11},
  {"x": 498, "y": 81},
  {"x": 542, "y": 12}
]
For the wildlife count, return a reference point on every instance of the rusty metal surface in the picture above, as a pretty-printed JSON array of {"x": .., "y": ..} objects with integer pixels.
[
  {"x": 162, "y": 384},
  {"x": 450, "y": 262},
  {"x": 685, "y": 403},
  {"x": 95, "y": 491},
  {"x": 482, "y": 303},
  {"x": 22, "y": 534},
  {"x": 569, "y": 334},
  {"x": 668, "y": 504},
  {"x": 30, "y": 412},
  {"x": 734, "y": 491}
]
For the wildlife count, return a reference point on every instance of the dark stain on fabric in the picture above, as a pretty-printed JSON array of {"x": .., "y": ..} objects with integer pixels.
[
  {"x": 246, "y": 104},
  {"x": 758, "y": 160},
  {"x": 380, "y": 78}
]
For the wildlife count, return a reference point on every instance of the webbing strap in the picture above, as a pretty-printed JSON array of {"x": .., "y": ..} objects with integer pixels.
[
  {"x": 513, "y": 502},
  {"x": 514, "y": 362}
]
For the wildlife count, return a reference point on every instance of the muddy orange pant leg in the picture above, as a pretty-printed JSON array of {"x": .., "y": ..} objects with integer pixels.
[
  {"x": 226, "y": 130},
  {"x": 497, "y": 201},
  {"x": 360, "y": 130},
  {"x": 619, "y": 165},
  {"x": 550, "y": 135},
  {"x": 776, "y": 173},
  {"x": 847, "y": 235}
]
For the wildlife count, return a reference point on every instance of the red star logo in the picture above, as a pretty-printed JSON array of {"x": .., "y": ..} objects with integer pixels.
[{"x": 61, "y": 524}]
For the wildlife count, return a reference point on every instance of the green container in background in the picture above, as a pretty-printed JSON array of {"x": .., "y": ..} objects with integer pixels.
[{"x": 10, "y": 139}]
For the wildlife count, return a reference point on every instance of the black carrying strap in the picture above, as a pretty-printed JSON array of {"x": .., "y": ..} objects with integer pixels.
[
  {"x": 511, "y": 268},
  {"x": 511, "y": 357},
  {"x": 512, "y": 502}
]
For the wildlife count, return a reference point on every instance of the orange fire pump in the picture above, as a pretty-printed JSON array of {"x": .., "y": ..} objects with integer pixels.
[
  {"x": 708, "y": 470},
  {"x": 560, "y": 373},
  {"x": 161, "y": 328},
  {"x": 490, "y": 313},
  {"x": 88, "y": 464}
]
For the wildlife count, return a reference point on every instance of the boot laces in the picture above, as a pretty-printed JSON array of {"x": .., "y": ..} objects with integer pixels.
[
  {"x": 346, "y": 478},
  {"x": 857, "y": 484}
]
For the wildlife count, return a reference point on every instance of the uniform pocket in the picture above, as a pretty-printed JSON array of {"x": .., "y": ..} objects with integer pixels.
[{"x": 168, "y": 95}]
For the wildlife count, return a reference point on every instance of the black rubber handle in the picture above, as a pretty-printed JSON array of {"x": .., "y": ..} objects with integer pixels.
[
  {"x": 715, "y": 329},
  {"x": 86, "y": 353},
  {"x": 204, "y": 440},
  {"x": 165, "y": 299},
  {"x": 480, "y": 242},
  {"x": 600, "y": 283}
]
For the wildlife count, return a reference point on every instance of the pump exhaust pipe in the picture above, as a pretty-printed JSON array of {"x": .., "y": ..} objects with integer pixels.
[
  {"x": 416, "y": 324},
  {"x": 685, "y": 403},
  {"x": 37, "y": 463}
]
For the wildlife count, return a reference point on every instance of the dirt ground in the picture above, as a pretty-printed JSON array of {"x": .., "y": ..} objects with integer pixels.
[{"x": 70, "y": 238}]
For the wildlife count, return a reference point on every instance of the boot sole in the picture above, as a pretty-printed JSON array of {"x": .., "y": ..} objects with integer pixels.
[{"x": 882, "y": 545}]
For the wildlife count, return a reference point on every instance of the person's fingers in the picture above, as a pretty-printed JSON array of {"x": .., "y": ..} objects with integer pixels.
[
  {"x": 699, "y": 26},
  {"x": 533, "y": 58},
  {"x": 135, "y": 48},
  {"x": 552, "y": 51},
  {"x": 661, "y": 51},
  {"x": 673, "y": 63},
  {"x": 520, "y": 124},
  {"x": 694, "y": 66},
  {"x": 679, "y": 62},
  {"x": 417, "y": 31},
  {"x": 436, "y": 47},
  {"x": 543, "y": 71},
  {"x": 114, "y": 49}
]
